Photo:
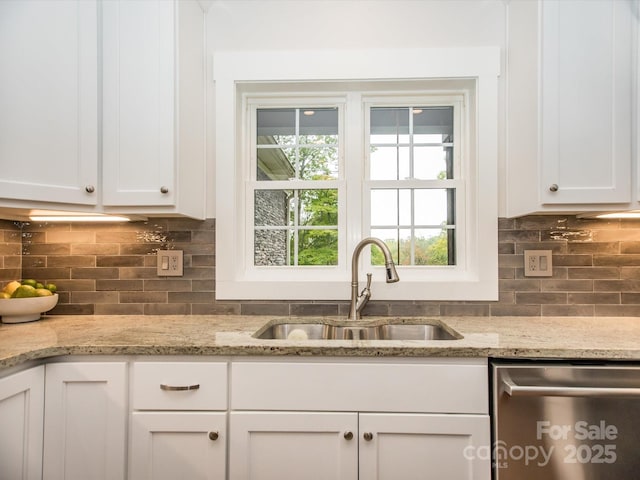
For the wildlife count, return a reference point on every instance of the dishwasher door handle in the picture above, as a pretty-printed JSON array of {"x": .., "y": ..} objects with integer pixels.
[{"x": 512, "y": 389}]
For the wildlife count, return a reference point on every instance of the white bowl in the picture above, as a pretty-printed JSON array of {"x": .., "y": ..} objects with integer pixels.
[{"x": 18, "y": 310}]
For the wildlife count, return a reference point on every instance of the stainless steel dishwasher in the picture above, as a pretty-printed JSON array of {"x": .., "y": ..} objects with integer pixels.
[{"x": 565, "y": 421}]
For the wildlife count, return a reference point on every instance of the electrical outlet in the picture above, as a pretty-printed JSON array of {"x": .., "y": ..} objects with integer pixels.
[
  {"x": 170, "y": 263},
  {"x": 538, "y": 263}
]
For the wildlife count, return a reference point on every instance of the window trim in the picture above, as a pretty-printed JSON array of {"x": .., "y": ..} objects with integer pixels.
[{"x": 238, "y": 73}]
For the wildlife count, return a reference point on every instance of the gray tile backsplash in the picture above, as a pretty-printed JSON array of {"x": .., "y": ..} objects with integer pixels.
[{"x": 111, "y": 269}]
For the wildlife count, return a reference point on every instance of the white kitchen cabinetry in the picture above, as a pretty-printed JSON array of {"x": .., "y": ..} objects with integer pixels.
[
  {"x": 153, "y": 106},
  {"x": 85, "y": 421},
  {"x": 333, "y": 419},
  {"x": 178, "y": 424},
  {"x": 49, "y": 101},
  {"x": 571, "y": 81},
  {"x": 142, "y": 61},
  {"x": 412, "y": 446},
  {"x": 21, "y": 423},
  {"x": 278, "y": 445}
]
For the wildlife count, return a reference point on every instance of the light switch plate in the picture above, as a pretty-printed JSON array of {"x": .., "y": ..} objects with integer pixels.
[
  {"x": 538, "y": 263},
  {"x": 170, "y": 263}
]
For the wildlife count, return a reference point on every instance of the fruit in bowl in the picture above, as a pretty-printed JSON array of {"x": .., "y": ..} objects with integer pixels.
[{"x": 25, "y": 301}]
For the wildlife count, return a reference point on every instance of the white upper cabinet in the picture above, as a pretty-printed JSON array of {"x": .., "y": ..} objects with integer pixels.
[
  {"x": 49, "y": 101},
  {"x": 124, "y": 75},
  {"x": 571, "y": 80},
  {"x": 138, "y": 102},
  {"x": 153, "y": 105}
]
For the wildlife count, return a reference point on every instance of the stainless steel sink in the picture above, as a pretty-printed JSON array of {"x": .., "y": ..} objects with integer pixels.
[{"x": 396, "y": 329}]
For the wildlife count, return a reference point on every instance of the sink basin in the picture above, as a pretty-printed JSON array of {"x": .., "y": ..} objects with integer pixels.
[{"x": 378, "y": 330}]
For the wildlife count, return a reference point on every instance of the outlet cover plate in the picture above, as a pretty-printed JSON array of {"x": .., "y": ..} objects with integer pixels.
[
  {"x": 170, "y": 263},
  {"x": 538, "y": 263}
]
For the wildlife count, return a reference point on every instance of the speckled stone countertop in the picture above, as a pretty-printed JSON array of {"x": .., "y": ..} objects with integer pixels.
[{"x": 613, "y": 338}]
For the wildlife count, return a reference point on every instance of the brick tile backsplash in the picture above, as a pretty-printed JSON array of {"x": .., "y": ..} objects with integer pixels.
[{"x": 110, "y": 269}]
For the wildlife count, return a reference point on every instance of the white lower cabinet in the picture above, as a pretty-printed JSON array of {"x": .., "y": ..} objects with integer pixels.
[
  {"x": 363, "y": 420},
  {"x": 184, "y": 445},
  {"x": 283, "y": 445},
  {"x": 179, "y": 421},
  {"x": 85, "y": 421},
  {"x": 413, "y": 446},
  {"x": 348, "y": 446},
  {"x": 21, "y": 423}
]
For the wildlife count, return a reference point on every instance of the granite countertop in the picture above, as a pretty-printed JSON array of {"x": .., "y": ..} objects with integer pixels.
[{"x": 501, "y": 337}]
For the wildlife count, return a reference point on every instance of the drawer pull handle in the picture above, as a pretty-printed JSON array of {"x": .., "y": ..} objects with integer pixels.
[
  {"x": 213, "y": 436},
  {"x": 368, "y": 436},
  {"x": 179, "y": 388}
]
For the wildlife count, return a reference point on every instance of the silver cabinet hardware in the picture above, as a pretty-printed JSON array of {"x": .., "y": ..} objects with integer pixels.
[
  {"x": 89, "y": 189},
  {"x": 553, "y": 187},
  {"x": 164, "y": 189},
  {"x": 348, "y": 435},
  {"x": 368, "y": 436},
  {"x": 179, "y": 387},
  {"x": 213, "y": 436}
]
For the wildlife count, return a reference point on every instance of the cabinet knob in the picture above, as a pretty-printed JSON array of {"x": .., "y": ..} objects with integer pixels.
[
  {"x": 89, "y": 189},
  {"x": 164, "y": 189},
  {"x": 348, "y": 435},
  {"x": 553, "y": 187},
  {"x": 213, "y": 436},
  {"x": 368, "y": 436}
]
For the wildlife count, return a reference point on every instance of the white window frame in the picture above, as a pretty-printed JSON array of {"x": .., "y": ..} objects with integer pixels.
[{"x": 245, "y": 73}]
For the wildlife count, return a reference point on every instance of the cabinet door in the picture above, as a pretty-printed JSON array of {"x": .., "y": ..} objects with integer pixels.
[
  {"x": 412, "y": 446},
  {"x": 586, "y": 101},
  {"x": 85, "y": 421},
  {"x": 288, "y": 445},
  {"x": 139, "y": 102},
  {"x": 189, "y": 445},
  {"x": 21, "y": 417},
  {"x": 49, "y": 101}
]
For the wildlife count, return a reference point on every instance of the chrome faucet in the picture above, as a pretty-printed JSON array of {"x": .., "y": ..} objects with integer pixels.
[{"x": 358, "y": 302}]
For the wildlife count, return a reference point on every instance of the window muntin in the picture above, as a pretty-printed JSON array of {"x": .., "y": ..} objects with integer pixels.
[
  {"x": 297, "y": 225},
  {"x": 411, "y": 169}
]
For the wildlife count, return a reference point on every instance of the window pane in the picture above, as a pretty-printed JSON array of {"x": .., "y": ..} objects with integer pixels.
[
  {"x": 270, "y": 247},
  {"x": 297, "y": 143},
  {"x": 411, "y": 143},
  {"x": 432, "y": 207},
  {"x": 276, "y": 163},
  {"x": 318, "y": 163},
  {"x": 317, "y": 247},
  {"x": 434, "y": 247},
  {"x": 271, "y": 207},
  {"x": 286, "y": 227},
  {"x": 432, "y": 124},
  {"x": 318, "y": 207},
  {"x": 389, "y": 125},
  {"x": 319, "y": 125},
  {"x": 388, "y": 236},
  {"x": 432, "y": 163},
  {"x": 384, "y": 207},
  {"x": 276, "y": 126},
  {"x": 410, "y": 239}
]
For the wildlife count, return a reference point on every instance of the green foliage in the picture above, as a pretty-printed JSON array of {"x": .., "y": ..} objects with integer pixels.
[{"x": 428, "y": 251}]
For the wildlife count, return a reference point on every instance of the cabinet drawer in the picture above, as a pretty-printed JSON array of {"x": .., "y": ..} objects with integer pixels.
[
  {"x": 179, "y": 386},
  {"x": 430, "y": 387}
]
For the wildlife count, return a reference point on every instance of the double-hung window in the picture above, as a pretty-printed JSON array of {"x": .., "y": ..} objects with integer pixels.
[{"x": 307, "y": 167}]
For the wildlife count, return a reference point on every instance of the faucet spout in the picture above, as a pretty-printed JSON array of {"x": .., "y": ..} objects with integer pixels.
[{"x": 358, "y": 301}]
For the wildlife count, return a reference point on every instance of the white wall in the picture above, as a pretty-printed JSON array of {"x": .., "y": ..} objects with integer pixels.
[{"x": 267, "y": 25}]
